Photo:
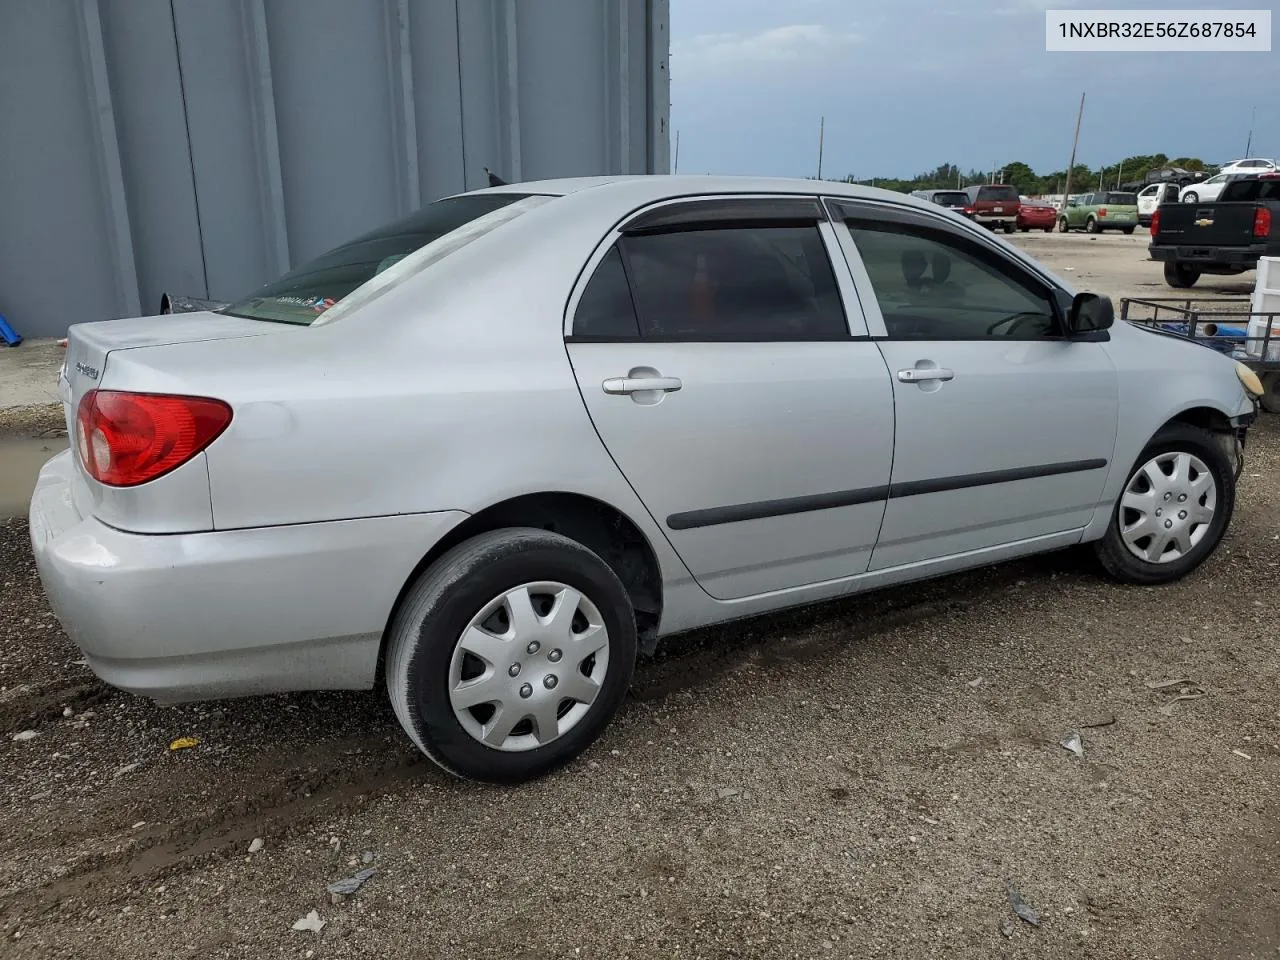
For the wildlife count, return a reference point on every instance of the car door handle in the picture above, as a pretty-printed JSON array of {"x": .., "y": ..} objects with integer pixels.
[
  {"x": 921, "y": 374},
  {"x": 619, "y": 385}
]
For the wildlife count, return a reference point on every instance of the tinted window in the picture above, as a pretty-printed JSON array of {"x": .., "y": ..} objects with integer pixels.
[
  {"x": 998, "y": 193},
  {"x": 952, "y": 199},
  {"x": 302, "y": 294},
  {"x": 606, "y": 308},
  {"x": 1118, "y": 199},
  {"x": 1251, "y": 191},
  {"x": 935, "y": 286},
  {"x": 757, "y": 283}
]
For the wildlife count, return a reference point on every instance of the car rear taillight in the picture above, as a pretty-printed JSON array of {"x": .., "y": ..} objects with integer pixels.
[
  {"x": 970, "y": 210},
  {"x": 1155, "y": 222},
  {"x": 1262, "y": 223},
  {"x": 125, "y": 439}
]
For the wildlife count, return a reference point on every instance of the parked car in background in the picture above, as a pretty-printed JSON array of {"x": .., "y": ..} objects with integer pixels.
[
  {"x": 465, "y": 456},
  {"x": 1252, "y": 165},
  {"x": 1034, "y": 215},
  {"x": 1151, "y": 197},
  {"x": 1206, "y": 191},
  {"x": 1224, "y": 238},
  {"x": 994, "y": 205},
  {"x": 1096, "y": 212},
  {"x": 956, "y": 200}
]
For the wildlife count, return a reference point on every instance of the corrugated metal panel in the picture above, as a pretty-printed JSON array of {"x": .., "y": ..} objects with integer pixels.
[{"x": 203, "y": 148}]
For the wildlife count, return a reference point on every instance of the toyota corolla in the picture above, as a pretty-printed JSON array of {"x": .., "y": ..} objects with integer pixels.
[{"x": 483, "y": 455}]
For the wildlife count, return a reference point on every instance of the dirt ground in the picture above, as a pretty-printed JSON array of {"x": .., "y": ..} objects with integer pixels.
[{"x": 862, "y": 779}]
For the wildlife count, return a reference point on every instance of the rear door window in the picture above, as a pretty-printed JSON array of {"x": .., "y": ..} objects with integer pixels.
[{"x": 734, "y": 283}]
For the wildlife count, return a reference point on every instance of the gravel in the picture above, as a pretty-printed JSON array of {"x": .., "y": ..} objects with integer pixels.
[{"x": 873, "y": 777}]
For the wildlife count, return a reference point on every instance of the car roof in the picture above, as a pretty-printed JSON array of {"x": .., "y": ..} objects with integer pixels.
[{"x": 646, "y": 188}]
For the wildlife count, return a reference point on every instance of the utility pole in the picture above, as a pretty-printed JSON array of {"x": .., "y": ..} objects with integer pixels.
[
  {"x": 822, "y": 122},
  {"x": 1119, "y": 174},
  {"x": 1074, "y": 140},
  {"x": 675, "y": 165}
]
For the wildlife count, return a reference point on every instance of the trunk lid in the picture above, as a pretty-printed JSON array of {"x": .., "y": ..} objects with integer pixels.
[
  {"x": 90, "y": 345},
  {"x": 1207, "y": 224}
]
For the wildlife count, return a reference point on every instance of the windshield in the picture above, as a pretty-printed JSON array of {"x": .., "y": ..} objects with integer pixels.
[
  {"x": 1118, "y": 199},
  {"x": 389, "y": 253},
  {"x": 998, "y": 193},
  {"x": 954, "y": 199}
]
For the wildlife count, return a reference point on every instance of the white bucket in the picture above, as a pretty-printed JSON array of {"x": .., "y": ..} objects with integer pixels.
[{"x": 1265, "y": 299}]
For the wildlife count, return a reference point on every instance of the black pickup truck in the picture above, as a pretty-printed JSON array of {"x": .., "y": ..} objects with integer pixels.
[{"x": 1225, "y": 237}]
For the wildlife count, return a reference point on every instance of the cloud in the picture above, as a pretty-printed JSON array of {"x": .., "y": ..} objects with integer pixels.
[{"x": 787, "y": 44}]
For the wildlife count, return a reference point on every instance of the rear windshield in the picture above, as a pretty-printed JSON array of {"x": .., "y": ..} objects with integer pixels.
[
  {"x": 389, "y": 253},
  {"x": 1117, "y": 199},
  {"x": 1251, "y": 191},
  {"x": 955, "y": 199},
  {"x": 998, "y": 192}
]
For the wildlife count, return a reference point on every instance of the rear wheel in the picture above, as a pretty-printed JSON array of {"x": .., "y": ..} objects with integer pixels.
[
  {"x": 1025, "y": 229},
  {"x": 1008, "y": 227},
  {"x": 1091, "y": 226},
  {"x": 1128, "y": 230},
  {"x": 1175, "y": 507},
  {"x": 1180, "y": 275},
  {"x": 1048, "y": 229},
  {"x": 510, "y": 655}
]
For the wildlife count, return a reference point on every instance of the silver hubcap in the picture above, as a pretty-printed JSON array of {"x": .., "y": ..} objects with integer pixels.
[
  {"x": 1167, "y": 507},
  {"x": 528, "y": 666}
]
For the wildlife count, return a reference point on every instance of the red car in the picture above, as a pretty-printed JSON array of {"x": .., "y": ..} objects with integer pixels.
[{"x": 1037, "y": 216}]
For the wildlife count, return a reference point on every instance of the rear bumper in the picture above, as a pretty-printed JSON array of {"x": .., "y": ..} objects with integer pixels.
[
  {"x": 1243, "y": 258},
  {"x": 998, "y": 219},
  {"x": 228, "y": 613}
]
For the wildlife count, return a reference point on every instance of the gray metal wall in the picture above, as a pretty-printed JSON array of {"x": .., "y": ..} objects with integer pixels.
[{"x": 202, "y": 147}]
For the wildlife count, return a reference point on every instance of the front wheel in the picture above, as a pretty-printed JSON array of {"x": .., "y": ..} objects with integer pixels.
[
  {"x": 1175, "y": 508},
  {"x": 1180, "y": 275},
  {"x": 1063, "y": 225},
  {"x": 510, "y": 655},
  {"x": 1191, "y": 197}
]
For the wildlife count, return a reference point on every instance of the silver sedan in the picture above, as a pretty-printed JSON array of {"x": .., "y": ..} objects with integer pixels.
[{"x": 484, "y": 455}]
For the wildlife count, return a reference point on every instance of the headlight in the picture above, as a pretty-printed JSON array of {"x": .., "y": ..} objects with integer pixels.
[{"x": 1249, "y": 379}]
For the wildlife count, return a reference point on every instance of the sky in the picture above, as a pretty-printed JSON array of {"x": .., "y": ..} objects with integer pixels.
[{"x": 907, "y": 85}]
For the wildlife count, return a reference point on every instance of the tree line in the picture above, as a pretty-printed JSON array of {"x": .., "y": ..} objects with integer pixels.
[{"x": 1029, "y": 183}]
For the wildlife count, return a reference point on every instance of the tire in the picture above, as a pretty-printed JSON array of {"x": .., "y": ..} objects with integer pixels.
[
  {"x": 1063, "y": 225},
  {"x": 1091, "y": 226},
  {"x": 1048, "y": 229},
  {"x": 1270, "y": 399},
  {"x": 1008, "y": 228},
  {"x": 1191, "y": 197},
  {"x": 424, "y": 654},
  {"x": 1128, "y": 231},
  {"x": 1180, "y": 275},
  {"x": 1114, "y": 553},
  {"x": 1025, "y": 229}
]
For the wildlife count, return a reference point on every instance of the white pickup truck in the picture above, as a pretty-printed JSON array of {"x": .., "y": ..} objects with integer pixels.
[{"x": 1152, "y": 196}]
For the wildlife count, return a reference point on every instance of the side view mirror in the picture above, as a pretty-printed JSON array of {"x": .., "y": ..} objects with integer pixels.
[{"x": 1090, "y": 313}]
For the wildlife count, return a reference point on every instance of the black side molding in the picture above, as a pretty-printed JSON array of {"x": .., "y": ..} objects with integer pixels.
[
  {"x": 761, "y": 509},
  {"x": 712, "y": 516}
]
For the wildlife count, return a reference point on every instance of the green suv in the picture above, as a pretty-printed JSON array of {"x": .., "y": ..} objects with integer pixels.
[{"x": 1095, "y": 212}]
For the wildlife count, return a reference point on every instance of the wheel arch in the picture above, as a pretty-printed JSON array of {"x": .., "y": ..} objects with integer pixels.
[{"x": 598, "y": 526}]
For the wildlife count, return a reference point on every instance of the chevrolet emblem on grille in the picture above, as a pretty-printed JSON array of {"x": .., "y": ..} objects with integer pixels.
[{"x": 1204, "y": 223}]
